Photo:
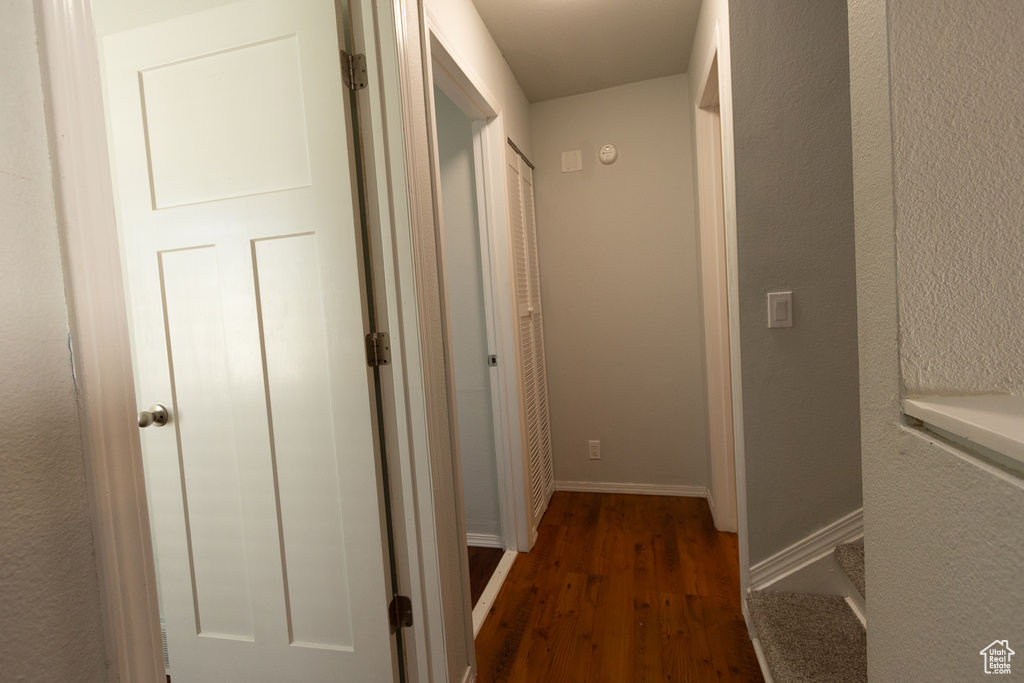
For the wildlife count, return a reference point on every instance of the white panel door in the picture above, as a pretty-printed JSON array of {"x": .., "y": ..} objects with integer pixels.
[{"x": 232, "y": 172}]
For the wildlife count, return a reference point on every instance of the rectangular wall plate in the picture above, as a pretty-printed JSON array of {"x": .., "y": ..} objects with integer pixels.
[
  {"x": 572, "y": 161},
  {"x": 780, "y": 309}
]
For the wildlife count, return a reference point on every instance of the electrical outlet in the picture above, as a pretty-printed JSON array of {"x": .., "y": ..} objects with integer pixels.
[{"x": 595, "y": 450}]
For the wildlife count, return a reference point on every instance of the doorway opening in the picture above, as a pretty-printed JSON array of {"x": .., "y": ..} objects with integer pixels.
[
  {"x": 474, "y": 268},
  {"x": 449, "y": 81}
]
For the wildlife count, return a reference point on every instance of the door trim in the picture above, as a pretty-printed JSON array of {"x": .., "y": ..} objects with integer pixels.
[
  {"x": 100, "y": 343},
  {"x": 451, "y": 74},
  {"x": 408, "y": 259},
  {"x": 719, "y": 48},
  {"x": 99, "y": 328},
  {"x": 715, "y": 287}
]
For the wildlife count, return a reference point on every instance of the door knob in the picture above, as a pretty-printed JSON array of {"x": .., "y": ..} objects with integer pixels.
[{"x": 157, "y": 416}]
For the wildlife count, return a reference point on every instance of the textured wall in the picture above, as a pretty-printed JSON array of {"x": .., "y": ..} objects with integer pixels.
[
  {"x": 945, "y": 547},
  {"x": 464, "y": 275},
  {"x": 620, "y": 285},
  {"x": 943, "y": 531},
  {"x": 794, "y": 222},
  {"x": 959, "y": 159},
  {"x": 50, "y": 627}
]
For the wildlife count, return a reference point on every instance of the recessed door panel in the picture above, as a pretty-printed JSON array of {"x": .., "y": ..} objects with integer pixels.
[
  {"x": 306, "y": 473},
  {"x": 226, "y": 125},
  {"x": 207, "y": 457}
]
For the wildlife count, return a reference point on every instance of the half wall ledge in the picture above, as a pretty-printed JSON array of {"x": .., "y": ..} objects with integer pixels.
[{"x": 991, "y": 425}]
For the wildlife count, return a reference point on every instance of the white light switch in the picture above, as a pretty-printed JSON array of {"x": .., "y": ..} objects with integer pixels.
[
  {"x": 780, "y": 309},
  {"x": 572, "y": 161}
]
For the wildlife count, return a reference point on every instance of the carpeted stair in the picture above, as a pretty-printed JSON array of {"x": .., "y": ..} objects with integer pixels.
[
  {"x": 814, "y": 638},
  {"x": 850, "y": 557},
  {"x": 809, "y": 638}
]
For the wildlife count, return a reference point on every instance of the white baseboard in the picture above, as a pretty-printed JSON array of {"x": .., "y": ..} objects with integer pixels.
[
  {"x": 714, "y": 515},
  {"x": 483, "y": 605},
  {"x": 857, "y": 611},
  {"x": 637, "y": 489},
  {"x": 807, "y": 550},
  {"x": 766, "y": 673},
  {"x": 485, "y": 540}
]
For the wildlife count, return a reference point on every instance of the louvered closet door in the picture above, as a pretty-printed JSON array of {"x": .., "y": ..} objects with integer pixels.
[
  {"x": 530, "y": 336},
  {"x": 542, "y": 470}
]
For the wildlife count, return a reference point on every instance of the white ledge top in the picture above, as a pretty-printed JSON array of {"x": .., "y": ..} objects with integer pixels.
[{"x": 995, "y": 422}]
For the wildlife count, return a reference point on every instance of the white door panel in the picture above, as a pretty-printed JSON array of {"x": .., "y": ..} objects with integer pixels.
[{"x": 235, "y": 209}]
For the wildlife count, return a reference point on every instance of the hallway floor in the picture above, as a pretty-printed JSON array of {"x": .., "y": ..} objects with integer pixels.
[
  {"x": 482, "y": 563},
  {"x": 620, "y": 588}
]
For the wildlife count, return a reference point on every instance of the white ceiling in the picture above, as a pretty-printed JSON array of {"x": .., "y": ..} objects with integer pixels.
[{"x": 566, "y": 47}]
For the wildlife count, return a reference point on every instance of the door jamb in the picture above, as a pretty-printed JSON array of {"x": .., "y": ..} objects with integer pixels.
[
  {"x": 98, "y": 323},
  {"x": 418, "y": 290}
]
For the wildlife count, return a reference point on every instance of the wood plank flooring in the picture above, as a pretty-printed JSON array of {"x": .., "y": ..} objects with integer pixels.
[
  {"x": 482, "y": 563},
  {"x": 620, "y": 588}
]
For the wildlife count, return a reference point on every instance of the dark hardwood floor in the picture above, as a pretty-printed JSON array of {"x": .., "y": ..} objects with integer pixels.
[
  {"x": 482, "y": 563},
  {"x": 620, "y": 588}
]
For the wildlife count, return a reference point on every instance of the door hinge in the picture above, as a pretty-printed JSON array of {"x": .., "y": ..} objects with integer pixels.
[
  {"x": 378, "y": 349},
  {"x": 400, "y": 612},
  {"x": 353, "y": 71}
]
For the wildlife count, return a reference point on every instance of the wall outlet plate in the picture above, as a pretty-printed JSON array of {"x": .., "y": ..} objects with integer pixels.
[{"x": 595, "y": 450}]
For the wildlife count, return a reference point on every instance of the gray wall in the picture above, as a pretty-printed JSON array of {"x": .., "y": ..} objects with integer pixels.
[
  {"x": 959, "y": 156},
  {"x": 621, "y": 291},
  {"x": 794, "y": 222},
  {"x": 944, "y": 531},
  {"x": 464, "y": 275},
  {"x": 50, "y": 624}
]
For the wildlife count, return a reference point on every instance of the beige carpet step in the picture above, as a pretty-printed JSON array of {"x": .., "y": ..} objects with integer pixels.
[
  {"x": 850, "y": 558},
  {"x": 809, "y": 638}
]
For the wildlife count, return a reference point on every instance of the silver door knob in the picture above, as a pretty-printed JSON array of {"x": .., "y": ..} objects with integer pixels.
[{"x": 157, "y": 416}]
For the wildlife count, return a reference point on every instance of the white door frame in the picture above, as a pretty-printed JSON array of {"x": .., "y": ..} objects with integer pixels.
[
  {"x": 417, "y": 443},
  {"x": 452, "y": 75},
  {"x": 718, "y": 54},
  {"x": 715, "y": 288}
]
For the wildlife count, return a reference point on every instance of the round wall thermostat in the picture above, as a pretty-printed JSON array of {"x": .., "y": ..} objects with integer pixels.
[{"x": 608, "y": 154}]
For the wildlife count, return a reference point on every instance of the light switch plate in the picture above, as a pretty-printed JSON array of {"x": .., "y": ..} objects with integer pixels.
[
  {"x": 780, "y": 309},
  {"x": 572, "y": 161}
]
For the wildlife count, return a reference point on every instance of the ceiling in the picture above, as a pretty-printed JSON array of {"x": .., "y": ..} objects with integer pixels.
[{"x": 565, "y": 47}]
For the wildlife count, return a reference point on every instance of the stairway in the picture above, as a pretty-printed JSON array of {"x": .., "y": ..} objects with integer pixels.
[
  {"x": 814, "y": 638},
  {"x": 850, "y": 558}
]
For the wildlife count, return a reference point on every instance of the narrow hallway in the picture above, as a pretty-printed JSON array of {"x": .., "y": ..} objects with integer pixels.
[{"x": 621, "y": 588}]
